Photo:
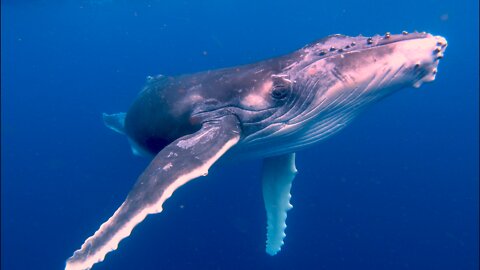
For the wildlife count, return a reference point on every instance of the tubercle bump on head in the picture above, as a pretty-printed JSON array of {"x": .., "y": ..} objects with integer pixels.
[{"x": 325, "y": 48}]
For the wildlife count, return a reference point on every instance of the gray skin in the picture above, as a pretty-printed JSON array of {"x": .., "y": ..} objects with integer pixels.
[
  {"x": 270, "y": 108},
  {"x": 171, "y": 107}
]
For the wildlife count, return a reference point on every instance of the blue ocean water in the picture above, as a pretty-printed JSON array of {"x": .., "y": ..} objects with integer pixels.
[{"x": 397, "y": 189}]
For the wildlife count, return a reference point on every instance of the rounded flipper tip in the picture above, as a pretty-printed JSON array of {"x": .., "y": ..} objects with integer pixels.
[{"x": 272, "y": 251}]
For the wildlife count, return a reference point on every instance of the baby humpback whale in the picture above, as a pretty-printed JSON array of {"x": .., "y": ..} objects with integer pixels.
[{"x": 268, "y": 110}]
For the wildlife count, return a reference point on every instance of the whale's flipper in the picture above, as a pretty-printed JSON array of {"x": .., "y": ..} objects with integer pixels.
[
  {"x": 278, "y": 174},
  {"x": 183, "y": 160},
  {"x": 115, "y": 122}
]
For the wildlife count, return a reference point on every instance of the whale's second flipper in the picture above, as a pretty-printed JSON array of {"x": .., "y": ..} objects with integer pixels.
[
  {"x": 183, "y": 160},
  {"x": 278, "y": 174},
  {"x": 115, "y": 122}
]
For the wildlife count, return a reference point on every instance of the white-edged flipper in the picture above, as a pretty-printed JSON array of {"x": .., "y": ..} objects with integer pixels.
[
  {"x": 278, "y": 174},
  {"x": 183, "y": 160}
]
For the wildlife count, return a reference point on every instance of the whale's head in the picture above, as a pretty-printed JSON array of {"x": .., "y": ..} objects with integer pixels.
[
  {"x": 397, "y": 60},
  {"x": 326, "y": 83}
]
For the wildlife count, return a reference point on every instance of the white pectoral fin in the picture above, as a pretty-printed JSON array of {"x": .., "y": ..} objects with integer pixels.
[
  {"x": 183, "y": 160},
  {"x": 278, "y": 174}
]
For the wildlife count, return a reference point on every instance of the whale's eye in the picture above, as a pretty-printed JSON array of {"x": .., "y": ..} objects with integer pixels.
[
  {"x": 280, "y": 92},
  {"x": 282, "y": 86}
]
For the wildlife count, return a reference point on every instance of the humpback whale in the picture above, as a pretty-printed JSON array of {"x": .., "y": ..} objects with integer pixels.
[{"x": 268, "y": 110}]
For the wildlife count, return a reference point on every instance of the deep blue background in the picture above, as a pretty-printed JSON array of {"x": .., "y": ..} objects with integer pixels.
[{"x": 398, "y": 189}]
